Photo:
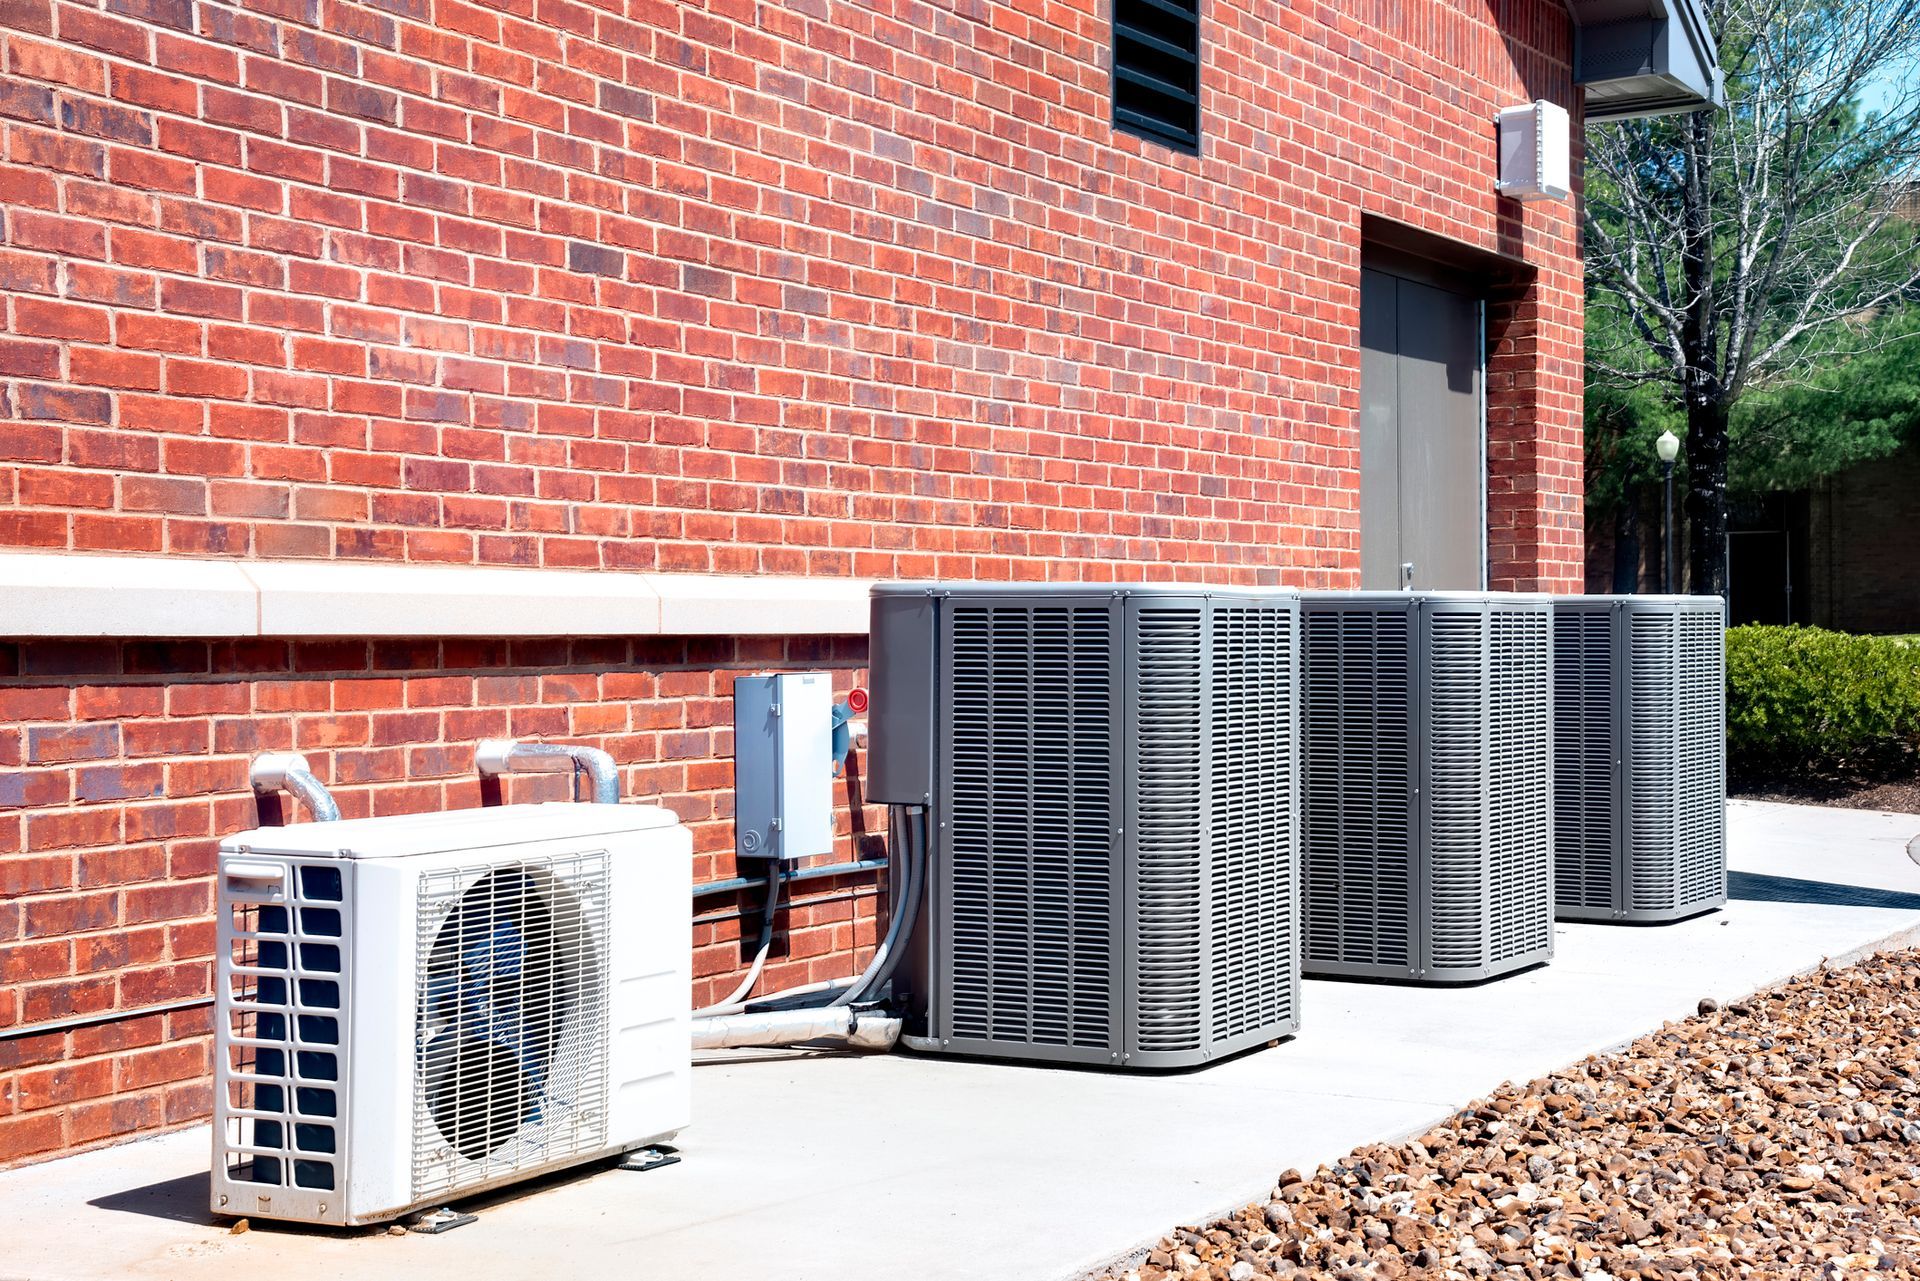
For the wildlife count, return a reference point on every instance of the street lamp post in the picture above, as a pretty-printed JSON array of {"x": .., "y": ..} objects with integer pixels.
[{"x": 1668, "y": 448}]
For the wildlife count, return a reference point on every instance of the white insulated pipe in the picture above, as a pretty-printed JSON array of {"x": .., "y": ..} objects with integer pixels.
[
  {"x": 861, "y": 1030},
  {"x": 289, "y": 772},
  {"x": 511, "y": 756}
]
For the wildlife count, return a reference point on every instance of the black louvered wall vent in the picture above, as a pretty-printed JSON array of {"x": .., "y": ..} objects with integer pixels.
[{"x": 1156, "y": 70}]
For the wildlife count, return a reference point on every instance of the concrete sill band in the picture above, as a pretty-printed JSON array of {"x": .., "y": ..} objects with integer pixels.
[{"x": 86, "y": 596}]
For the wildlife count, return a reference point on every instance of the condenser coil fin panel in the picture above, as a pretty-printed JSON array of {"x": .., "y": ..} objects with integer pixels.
[
  {"x": 1519, "y": 792},
  {"x": 282, "y": 1111},
  {"x": 1702, "y": 738},
  {"x": 1586, "y": 763},
  {"x": 1358, "y": 791},
  {"x": 1253, "y": 963},
  {"x": 1426, "y": 791},
  {"x": 1173, "y": 882},
  {"x": 1114, "y": 823},
  {"x": 1640, "y": 764},
  {"x": 1031, "y": 798}
]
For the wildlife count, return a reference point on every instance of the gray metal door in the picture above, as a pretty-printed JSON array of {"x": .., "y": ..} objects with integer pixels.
[{"x": 1423, "y": 472}]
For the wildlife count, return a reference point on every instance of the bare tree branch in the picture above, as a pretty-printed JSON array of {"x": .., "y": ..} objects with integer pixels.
[{"x": 1728, "y": 253}]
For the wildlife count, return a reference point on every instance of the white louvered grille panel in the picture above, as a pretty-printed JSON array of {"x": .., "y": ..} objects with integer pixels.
[
  {"x": 1519, "y": 838},
  {"x": 285, "y": 965},
  {"x": 511, "y": 1030},
  {"x": 1170, "y": 829},
  {"x": 1583, "y": 760},
  {"x": 1653, "y": 762},
  {"x": 1701, "y": 816},
  {"x": 1253, "y": 827},
  {"x": 1461, "y": 806},
  {"x": 1031, "y": 843},
  {"x": 1356, "y": 791}
]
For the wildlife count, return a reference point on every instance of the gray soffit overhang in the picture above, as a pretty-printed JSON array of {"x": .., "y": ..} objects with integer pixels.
[{"x": 1644, "y": 58}]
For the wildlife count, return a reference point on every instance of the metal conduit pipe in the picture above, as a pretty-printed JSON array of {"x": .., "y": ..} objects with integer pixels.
[
  {"x": 274, "y": 772},
  {"x": 789, "y": 874},
  {"x": 496, "y": 756}
]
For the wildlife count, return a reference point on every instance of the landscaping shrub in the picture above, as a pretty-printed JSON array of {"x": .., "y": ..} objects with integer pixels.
[{"x": 1801, "y": 699}]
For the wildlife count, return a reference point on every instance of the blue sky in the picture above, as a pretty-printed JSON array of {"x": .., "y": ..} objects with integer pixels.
[{"x": 1875, "y": 97}]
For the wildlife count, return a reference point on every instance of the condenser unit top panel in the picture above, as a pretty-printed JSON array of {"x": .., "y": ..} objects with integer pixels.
[
  {"x": 403, "y": 835},
  {"x": 1005, "y": 591},
  {"x": 1575, "y": 601},
  {"x": 1376, "y": 598}
]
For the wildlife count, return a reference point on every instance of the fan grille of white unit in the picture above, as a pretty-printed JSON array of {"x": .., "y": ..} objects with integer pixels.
[{"x": 511, "y": 1019}]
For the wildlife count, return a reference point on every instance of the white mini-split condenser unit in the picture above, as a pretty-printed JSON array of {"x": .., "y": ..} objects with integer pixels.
[
  {"x": 415, "y": 1008},
  {"x": 1426, "y": 826},
  {"x": 1109, "y": 776},
  {"x": 1640, "y": 781}
]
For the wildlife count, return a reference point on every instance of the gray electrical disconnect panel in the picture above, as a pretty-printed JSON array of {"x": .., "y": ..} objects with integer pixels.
[
  {"x": 1110, "y": 777},
  {"x": 783, "y": 765},
  {"x": 1640, "y": 781},
  {"x": 1426, "y": 806}
]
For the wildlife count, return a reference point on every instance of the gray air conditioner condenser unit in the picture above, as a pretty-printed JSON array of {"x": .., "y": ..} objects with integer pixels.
[
  {"x": 1640, "y": 784},
  {"x": 1109, "y": 774},
  {"x": 1426, "y": 826}
]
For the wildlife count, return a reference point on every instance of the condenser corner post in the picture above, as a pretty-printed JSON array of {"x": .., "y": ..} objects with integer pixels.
[
  {"x": 1111, "y": 777},
  {"x": 1426, "y": 798},
  {"x": 1640, "y": 790}
]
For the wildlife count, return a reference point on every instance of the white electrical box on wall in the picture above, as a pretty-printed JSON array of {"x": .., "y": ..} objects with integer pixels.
[
  {"x": 783, "y": 765},
  {"x": 1536, "y": 152}
]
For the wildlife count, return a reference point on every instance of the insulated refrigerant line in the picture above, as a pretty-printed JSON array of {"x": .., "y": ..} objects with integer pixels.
[{"x": 834, "y": 1019}]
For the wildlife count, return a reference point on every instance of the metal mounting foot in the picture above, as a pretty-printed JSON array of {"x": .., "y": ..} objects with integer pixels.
[
  {"x": 444, "y": 1219},
  {"x": 649, "y": 1158}
]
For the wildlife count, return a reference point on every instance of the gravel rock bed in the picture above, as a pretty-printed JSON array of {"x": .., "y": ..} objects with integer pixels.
[{"x": 1775, "y": 1138}]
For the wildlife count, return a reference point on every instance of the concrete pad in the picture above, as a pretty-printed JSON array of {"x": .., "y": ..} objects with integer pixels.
[{"x": 844, "y": 1167}]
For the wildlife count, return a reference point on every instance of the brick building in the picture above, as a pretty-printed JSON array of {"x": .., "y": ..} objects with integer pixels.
[
  {"x": 1838, "y": 554},
  {"x": 381, "y": 376}
]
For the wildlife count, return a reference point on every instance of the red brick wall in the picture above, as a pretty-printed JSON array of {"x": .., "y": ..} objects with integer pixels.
[
  {"x": 847, "y": 287},
  {"x": 1862, "y": 574},
  {"x": 122, "y": 764},
  {"x": 825, "y": 288}
]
